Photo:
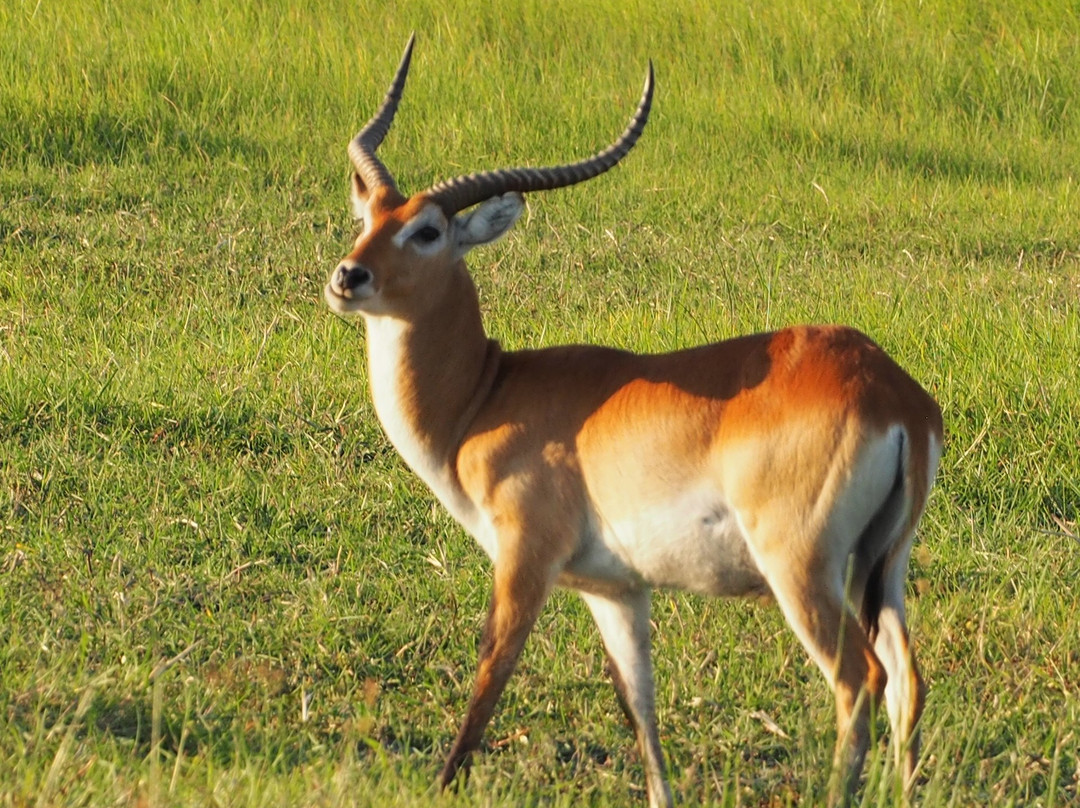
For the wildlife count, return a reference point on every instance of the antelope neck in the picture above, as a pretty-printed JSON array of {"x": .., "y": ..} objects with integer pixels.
[{"x": 430, "y": 374}]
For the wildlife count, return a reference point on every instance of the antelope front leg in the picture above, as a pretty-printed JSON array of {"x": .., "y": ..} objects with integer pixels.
[
  {"x": 624, "y": 627},
  {"x": 518, "y": 596}
]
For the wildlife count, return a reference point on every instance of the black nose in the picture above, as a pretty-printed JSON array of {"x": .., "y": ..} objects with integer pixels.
[{"x": 348, "y": 277}]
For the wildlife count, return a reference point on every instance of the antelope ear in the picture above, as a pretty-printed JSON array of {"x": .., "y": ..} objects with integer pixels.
[{"x": 487, "y": 222}]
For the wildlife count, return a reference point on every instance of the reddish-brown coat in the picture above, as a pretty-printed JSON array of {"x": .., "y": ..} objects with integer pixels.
[{"x": 526, "y": 447}]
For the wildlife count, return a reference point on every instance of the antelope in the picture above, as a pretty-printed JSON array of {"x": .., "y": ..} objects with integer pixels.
[{"x": 793, "y": 464}]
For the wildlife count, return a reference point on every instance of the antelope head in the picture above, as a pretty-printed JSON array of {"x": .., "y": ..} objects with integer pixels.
[{"x": 401, "y": 256}]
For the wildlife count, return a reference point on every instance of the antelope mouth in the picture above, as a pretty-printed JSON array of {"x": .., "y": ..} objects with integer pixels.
[{"x": 346, "y": 301}]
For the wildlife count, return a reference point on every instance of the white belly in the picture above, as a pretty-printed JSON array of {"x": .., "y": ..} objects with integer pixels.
[{"x": 694, "y": 543}]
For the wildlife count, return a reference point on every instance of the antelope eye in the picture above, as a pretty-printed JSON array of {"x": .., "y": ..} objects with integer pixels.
[{"x": 427, "y": 234}]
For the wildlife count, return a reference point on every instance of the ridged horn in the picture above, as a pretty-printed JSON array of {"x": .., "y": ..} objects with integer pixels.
[
  {"x": 362, "y": 147},
  {"x": 462, "y": 192}
]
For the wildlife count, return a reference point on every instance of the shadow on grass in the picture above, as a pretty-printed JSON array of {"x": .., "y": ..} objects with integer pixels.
[
  {"x": 236, "y": 428},
  {"x": 914, "y": 158},
  {"x": 78, "y": 137}
]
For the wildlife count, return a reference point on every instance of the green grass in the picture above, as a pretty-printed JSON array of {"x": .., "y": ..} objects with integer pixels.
[{"x": 190, "y": 469}]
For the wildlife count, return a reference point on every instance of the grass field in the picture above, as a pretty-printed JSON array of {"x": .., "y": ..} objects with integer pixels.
[{"x": 218, "y": 583}]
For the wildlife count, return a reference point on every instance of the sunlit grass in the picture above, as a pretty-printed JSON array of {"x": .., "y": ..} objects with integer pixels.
[{"x": 222, "y": 586}]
